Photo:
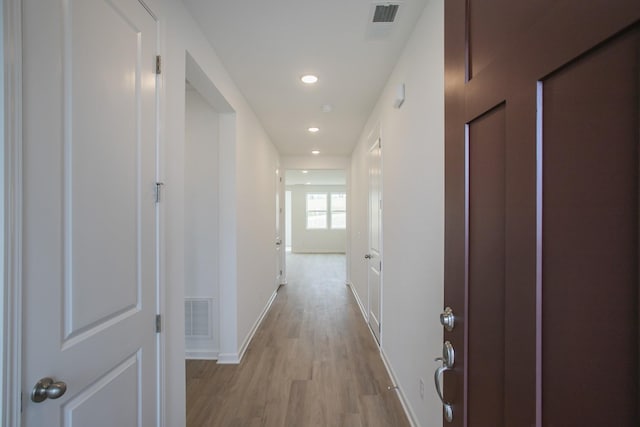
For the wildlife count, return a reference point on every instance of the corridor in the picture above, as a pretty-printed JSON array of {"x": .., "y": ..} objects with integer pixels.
[{"x": 312, "y": 362}]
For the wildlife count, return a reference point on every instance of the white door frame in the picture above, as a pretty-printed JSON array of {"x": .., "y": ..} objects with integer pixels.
[{"x": 12, "y": 283}]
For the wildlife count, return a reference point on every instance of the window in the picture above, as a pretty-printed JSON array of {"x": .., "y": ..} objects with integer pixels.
[
  {"x": 326, "y": 210},
  {"x": 316, "y": 211},
  {"x": 338, "y": 211}
]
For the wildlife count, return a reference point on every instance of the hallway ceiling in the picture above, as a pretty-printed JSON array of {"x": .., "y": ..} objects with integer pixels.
[{"x": 267, "y": 45}]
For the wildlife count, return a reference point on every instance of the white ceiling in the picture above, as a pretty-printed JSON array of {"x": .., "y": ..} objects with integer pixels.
[
  {"x": 266, "y": 45},
  {"x": 315, "y": 177}
]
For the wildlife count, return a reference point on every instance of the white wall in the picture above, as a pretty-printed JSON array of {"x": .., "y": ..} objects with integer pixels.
[
  {"x": 313, "y": 241},
  {"x": 315, "y": 162},
  {"x": 413, "y": 214},
  {"x": 247, "y": 186},
  {"x": 257, "y": 162},
  {"x": 201, "y": 215}
]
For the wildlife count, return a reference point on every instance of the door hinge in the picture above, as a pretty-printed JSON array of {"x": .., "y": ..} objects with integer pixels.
[
  {"x": 380, "y": 266},
  {"x": 158, "y": 64},
  {"x": 281, "y": 272},
  {"x": 158, "y": 191},
  {"x": 21, "y": 401},
  {"x": 158, "y": 323},
  {"x": 379, "y": 142}
]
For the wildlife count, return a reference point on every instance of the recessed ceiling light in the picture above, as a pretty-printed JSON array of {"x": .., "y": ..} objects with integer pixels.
[
  {"x": 309, "y": 79},
  {"x": 307, "y": 183},
  {"x": 314, "y": 129},
  {"x": 315, "y": 152},
  {"x": 305, "y": 171}
]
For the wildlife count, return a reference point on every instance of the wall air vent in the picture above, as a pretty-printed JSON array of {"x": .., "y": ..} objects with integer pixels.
[
  {"x": 385, "y": 13},
  {"x": 197, "y": 313}
]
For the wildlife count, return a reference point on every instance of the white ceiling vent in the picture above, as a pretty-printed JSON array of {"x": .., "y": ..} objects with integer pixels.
[{"x": 385, "y": 13}]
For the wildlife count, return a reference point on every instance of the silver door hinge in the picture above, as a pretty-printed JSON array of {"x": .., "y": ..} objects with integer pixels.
[
  {"x": 380, "y": 266},
  {"x": 158, "y": 64},
  {"x": 158, "y": 323},
  {"x": 158, "y": 191}
]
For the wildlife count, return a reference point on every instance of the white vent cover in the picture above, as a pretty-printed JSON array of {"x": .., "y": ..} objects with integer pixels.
[
  {"x": 197, "y": 317},
  {"x": 385, "y": 12}
]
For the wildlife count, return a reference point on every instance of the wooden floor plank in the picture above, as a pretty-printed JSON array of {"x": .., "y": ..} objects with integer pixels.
[{"x": 312, "y": 362}]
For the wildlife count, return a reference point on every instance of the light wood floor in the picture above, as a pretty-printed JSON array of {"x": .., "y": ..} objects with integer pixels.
[{"x": 313, "y": 362}]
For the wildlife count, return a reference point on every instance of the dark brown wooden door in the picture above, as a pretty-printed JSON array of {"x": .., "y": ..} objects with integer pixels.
[{"x": 542, "y": 194}]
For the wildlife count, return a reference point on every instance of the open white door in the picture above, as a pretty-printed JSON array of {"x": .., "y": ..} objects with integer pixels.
[
  {"x": 279, "y": 216},
  {"x": 375, "y": 237},
  {"x": 89, "y": 225}
]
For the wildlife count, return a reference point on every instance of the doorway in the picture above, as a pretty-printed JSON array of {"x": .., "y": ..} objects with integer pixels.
[
  {"x": 201, "y": 226},
  {"x": 315, "y": 211},
  {"x": 207, "y": 225}
]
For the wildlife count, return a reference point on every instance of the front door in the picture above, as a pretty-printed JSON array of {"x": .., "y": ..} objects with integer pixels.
[
  {"x": 375, "y": 237},
  {"x": 89, "y": 225},
  {"x": 542, "y": 172}
]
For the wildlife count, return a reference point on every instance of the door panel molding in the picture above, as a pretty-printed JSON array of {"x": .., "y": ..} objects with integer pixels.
[
  {"x": 596, "y": 208},
  {"x": 115, "y": 284},
  {"x": 128, "y": 369},
  {"x": 485, "y": 342},
  {"x": 493, "y": 84}
]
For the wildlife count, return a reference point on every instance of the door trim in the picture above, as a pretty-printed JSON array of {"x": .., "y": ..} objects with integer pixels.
[
  {"x": 161, "y": 307},
  {"x": 12, "y": 280}
]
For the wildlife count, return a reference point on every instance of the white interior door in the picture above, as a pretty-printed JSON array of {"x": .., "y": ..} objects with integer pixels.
[
  {"x": 89, "y": 253},
  {"x": 374, "y": 255},
  {"x": 279, "y": 215}
]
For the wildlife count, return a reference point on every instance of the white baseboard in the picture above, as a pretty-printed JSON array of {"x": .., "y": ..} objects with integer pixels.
[
  {"x": 357, "y": 297},
  {"x": 235, "y": 358},
  {"x": 200, "y": 355},
  {"x": 228, "y": 359},
  {"x": 403, "y": 399},
  {"x": 256, "y": 325}
]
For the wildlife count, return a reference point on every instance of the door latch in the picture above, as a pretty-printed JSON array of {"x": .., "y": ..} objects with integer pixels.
[{"x": 447, "y": 319}]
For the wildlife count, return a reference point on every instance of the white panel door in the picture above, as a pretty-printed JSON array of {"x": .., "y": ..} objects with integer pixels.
[
  {"x": 375, "y": 238},
  {"x": 279, "y": 214},
  {"x": 89, "y": 226}
]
